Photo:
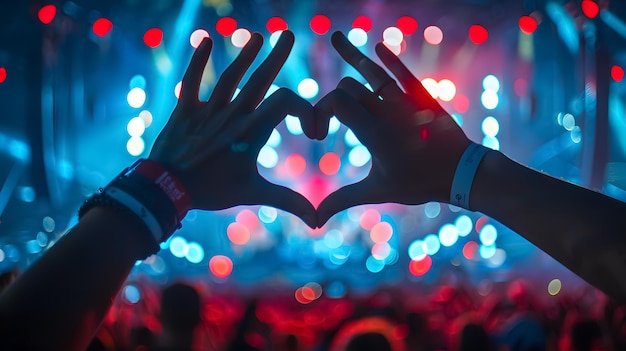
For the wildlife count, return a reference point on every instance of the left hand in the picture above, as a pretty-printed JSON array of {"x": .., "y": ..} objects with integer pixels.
[{"x": 212, "y": 146}]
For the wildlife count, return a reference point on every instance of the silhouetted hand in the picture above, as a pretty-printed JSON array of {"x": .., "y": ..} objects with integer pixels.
[
  {"x": 212, "y": 146},
  {"x": 415, "y": 144}
]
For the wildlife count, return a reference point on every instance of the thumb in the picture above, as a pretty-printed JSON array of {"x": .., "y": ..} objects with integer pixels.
[{"x": 364, "y": 192}]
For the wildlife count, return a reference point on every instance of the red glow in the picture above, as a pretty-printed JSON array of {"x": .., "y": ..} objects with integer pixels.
[
  {"x": 153, "y": 37},
  {"x": 527, "y": 24},
  {"x": 590, "y": 8},
  {"x": 247, "y": 218},
  {"x": 369, "y": 219},
  {"x": 478, "y": 34},
  {"x": 46, "y": 14},
  {"x": 3, "y": 74},
  {"x": 421, "y": 267},
  {"x": 220, "y": 266},
  {"x": 480, "y": 223},
  {"x": 424, "y": 134},
  {"x": 407, "y": 24},
  {"x": 238, "y": 233},
  {"x": 330, "y": 163},
  {"x": 295, "y": 165},
  {"x": 461, "y": 103},
  {"x": 300, "y": 297},
  {"x": 320, "y": 24},
  {"x": 363, "y": 22},
  {"x": 617, "y": 73},
  {"x": 102, "y": 26},
  {"x": 275, "y": 24},
  {"x": 381, "y": 232},
  {"x": 470, "y": 249},
  {"x": 401, "y": 331},
  {"x": 520, "y": 86},
  {"x": 226, "y": 26}
]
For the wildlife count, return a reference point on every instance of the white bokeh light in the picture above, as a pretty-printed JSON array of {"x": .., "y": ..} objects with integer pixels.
[
  {"x": 393, "y": 36},
  {"x": 431, "y": 86},
  {"x": 308, "y": 88},
  {"x": 490, "y": 126},
  {"x": 136, "y": 97},
  {"x": 197, "y": 36},
  {"x": 357, "y": 36},
  {"x": 135, "y": 146},
  {"x": 268, "y": 157},
  {"x": 240, "y": 37},
  {"x": 274, "y": 37},
  {"x": 446, "y": 90},
  {"x": 135, "y": 127}
]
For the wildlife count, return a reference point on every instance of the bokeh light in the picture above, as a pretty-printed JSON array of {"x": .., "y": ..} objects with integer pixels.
[
  {"x": 487, "y": 251},
  {"x": 470, "y": 249},
  {"x": 274, "y": 37},
  {"x": 448, "y": 235},
  {"x": 146, "y": 116},
  {"x": 320, "y": 24},
  {"x": 275, "y": 24},
  {"x": 135, "y": 127},
  {"x": 381, "y": 232},
  {"x": 240, "y": 37},
  {"x": 463, "y": 225},
  {"x": 357, "y": 36},
  {"x": 446, "y": 90},
  {"x": 373, "y": 265},
  {"x": 195, "y": 253},
  {"x": 617, "y": 73},
  {"x": 527, "y": 24},
  {"x": 225, "y": 26},
  {"x": 47, "y": 13},
  {"x": 308, "y": 88},
  {"x": 131, "y": 294},
  {"x": 293, "y": 125},
  {"x": 153, "y": 37},
  {"x": 590, "y": 8},
  {"x": 417, "y": 250},
  {"x": 102, "y": 27},
  {"x": 197, "y": 37},
  {"x": 369, "y": 219},
  {"x": 363, "y": 22},
  {"x": 478, "y": 34},
  {"x": 248, "y": 219},
  {"x": 491, "y": 82},
  {"x": 295, "y": 165},
  {"x": 381, "y": 251},
  {"x": 432, "y": 209},
  {"x": 238, "y": 233},
  {"x": 221, "y": 266},
  {"x": 135, "y": 146},
  {"x": 267, "y": 214},
  {"x": 268, "y": 157},
  {"x": 432, "y": 86},
  {"x": 420, "y": 267},
  {"x": 433, "y": 35},
  {"x": 490, "y": 126},
  {"x": 392, "y": 36},
  {"x": 330, "y": 163},
  {"x": 489, "y": 99},
  {"x": 3, "y": 74},
  {"x": 431, "y": 244},
  {"x": 407, "y": 24},
  {"x": 359, "y": 156},
  {"x": 554, "y": 287},
  {"x": 136, "y": 97}
]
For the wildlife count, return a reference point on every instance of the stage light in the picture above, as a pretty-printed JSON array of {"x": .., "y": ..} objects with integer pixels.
[
  {"x": 491, "y": 142},
  {"x": 275, "y": 139},
  {"x": 147, "y": 117},
  {"x": 274, "y": 37},
  {"x": 330, "y": 163},
  {"x": 195, "y": 253},
  {"x": 381, "y": 251},
  {"x": 446, "y": 90},
  {"x": 373, "y": 265},
  {"x": 431, "y": 244},
  {"x": 153, "y": 37},
  {"x": 392, "y": 36},
  {"x": 178, "y": 246},
  {"x": 488, "y": 235},
  {"x": 136, "y": 127},
  {"x": 238, "y": 233},
  {"x": 527, "y": 24},
  {"x": 225, "y": 26},
  {"x": 359, "y": 156},
  {"x": 381, "y": 232},
  {"x": 448, "y": 235},
  {"x": 407, "y": 24},
  {"x": 464, "y": 225},
  {"x": 293, "y": 125},
  {"x": 489, "y": 99},
  {"x": 3, "y": 74},
  {"x": 136, "y": 97},
  {"x": 554, "y": 287},
  {"x": 295, "y": 165},
  {"x": 333, "y": 239},
  {"x": 247, "y": 218},
  {"x": 132, "y": 294},
  {"x": 177, "y": 89},
  {"x": 135, "y": 146},
  {"x": 431, "y": 86},
  {"x": 42, "y": 239},
  {"x": 333, "y": 125},
  {"x": 350, "y": 138},
  {"x": 240, "y": 37},
  {"x": 617, "y": 73},
  {"x": 569, "y": 122},
  {"x": 357, "y": 36},
  {"x": 363, "y": 22},
  {"x": 101, "y": 27},
  {"x": 369, "y": 219},
  {"x": 491, "y": 82},
  {"x": 308, "y": 88},
  {"x": 420, "y": 267},
  {"x": 433, "y": 35},
  {"x": 470, "y": 249},
  {"x": 590, "y": 8},
  {"x": 268, "y": 157},
  {"x": 460, "y": 104},
  {"x": 490, "y": 126},
  {"x": 320, "y": 24},
  {"x": 267, "y": 214},
  {"x": 47, "y": 13},
  {"x": 432, "y": 209},
  {"x": 478, "y": 34},
  {"x": 197, "y": 37},
  {"x": 220, "y": 266},
  {"x": 275, "y": 24}
]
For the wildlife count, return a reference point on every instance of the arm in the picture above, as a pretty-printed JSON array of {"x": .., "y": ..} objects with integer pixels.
[
  {"x": 59, "y": 302},
  {"x": 415, "y": 153}
]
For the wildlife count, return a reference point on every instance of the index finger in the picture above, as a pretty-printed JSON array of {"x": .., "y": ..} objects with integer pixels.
[
  {"x": 193, "y": 74},
  {"x": 375, "y": 75}
]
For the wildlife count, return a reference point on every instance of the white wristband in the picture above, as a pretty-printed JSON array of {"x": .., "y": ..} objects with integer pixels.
[
  {"x": 464, "y": 175},
  {"x": 137, "y": 208}
]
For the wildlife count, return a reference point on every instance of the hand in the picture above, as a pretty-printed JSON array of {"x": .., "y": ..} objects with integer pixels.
[
  {"x": 212, "y": 146},
  {"x": 415, "y": 144}
]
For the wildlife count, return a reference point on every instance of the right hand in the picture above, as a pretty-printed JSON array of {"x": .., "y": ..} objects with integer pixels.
[{"x": 415, "y": 144}]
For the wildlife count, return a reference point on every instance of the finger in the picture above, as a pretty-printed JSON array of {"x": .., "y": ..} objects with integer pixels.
[
  {"x": 256, "y": 87},
  {"x": 361, "y": 94},
  {"x": 193, "y": 75},
  {"x": 361, "y": 193},
  {"x": 375, "y": 75},
  {"x": 283, "y": 198},
  {"x": 347, "y": 109},
  {"x": 409, "y": 82},
  {"x": 228, "y": 81}
]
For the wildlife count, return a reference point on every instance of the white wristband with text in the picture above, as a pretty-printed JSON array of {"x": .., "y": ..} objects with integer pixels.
[{"x": 464, "y": 175}]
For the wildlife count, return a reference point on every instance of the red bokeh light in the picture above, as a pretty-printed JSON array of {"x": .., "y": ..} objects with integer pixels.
[
  {"x": 421, "y": 267},
  {"x": 226, "y": 26},
  {"x": 153, "y": 37},
  {"x": 221, "y": 266},
  {"x": 461, "y": 103},
  {"x": 478, "y": 34},
  {"x": 3, "y": 74},
  {"x": 330, "y": 163},
  {"x": 363, "y": 22},
  {"x": 369, "y": 219},
  {"x": 101, "y": 27},
  {"x": 295, "y": 165},
  {"x": 238, "y": 233},
  {"x": 617, "y": 73},
  {"x": 527, "y": 24},
  {"x": 590, "y": 8},
  {"x": 407, "y": 24},
  {"x": 320, "y": 24},
  {"x": 480, "y": 223},
  {"x": 300, "y": 297},
  {"x": 275, "y": 24},
  {"x": 247, "y": 218},
  {"x": 46, "y": 14},
  {"x": 470, "y": 249},
  {"x": 381, "y": 232},
  {"x": 520, "y": 86}
]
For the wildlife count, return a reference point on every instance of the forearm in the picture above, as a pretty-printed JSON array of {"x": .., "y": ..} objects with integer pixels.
[
  {"x": 582, "y": 229},
  {"x": 60, "y": 301}
]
